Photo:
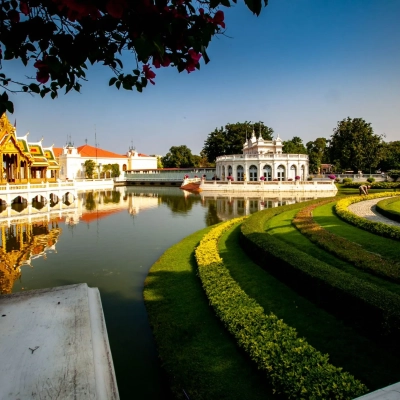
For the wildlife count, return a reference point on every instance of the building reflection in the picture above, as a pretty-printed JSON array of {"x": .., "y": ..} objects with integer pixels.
[{"x": 21, "y": 243}]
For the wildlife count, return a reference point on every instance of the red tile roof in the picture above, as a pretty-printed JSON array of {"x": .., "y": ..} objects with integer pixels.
[
  {"x": 90, "y": 151},
  {"x": 57, "y": 151}
]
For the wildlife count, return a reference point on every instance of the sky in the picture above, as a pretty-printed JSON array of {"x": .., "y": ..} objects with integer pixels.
[{"x": 300, "y": 67}]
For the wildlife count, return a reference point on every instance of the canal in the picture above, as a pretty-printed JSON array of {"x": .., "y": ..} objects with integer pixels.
[{"x": 110, "y": 239}]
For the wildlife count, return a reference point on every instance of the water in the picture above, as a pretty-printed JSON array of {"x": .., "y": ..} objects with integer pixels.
[{"x": 110, "y": 239}]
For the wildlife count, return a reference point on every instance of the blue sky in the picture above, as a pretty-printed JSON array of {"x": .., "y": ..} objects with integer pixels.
[{"x": 300, "y": 67}]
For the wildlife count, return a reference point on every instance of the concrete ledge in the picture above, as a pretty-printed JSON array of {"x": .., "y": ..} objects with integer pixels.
[
  {"x": 54, "y": 344},
  {"x": 391, "y": 392}
]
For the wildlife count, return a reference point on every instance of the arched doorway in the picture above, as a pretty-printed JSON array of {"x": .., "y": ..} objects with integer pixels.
[
  {"x": 229, "y": 170},
  {"x": 293, "y": 172},
  {"x": 239, "y": 173},
  {"x": 267, "y": 172},
  {"x": 280, "y": 172},
  {"x": 253, "y": 173}
]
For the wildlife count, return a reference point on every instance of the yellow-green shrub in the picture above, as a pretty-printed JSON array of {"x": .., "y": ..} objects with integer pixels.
[
  {"x": 378, "y": 228},
  {"x": 293, "y": 366}
]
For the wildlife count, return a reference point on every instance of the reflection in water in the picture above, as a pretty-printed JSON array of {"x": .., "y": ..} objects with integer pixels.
[
  {"x": 112, "y": 239},
  {"x": 20, "y": 244}
]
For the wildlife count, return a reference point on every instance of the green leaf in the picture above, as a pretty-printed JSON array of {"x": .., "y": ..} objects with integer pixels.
[
  {"x": 9, "y": 106},
  {"x": 112, "y": 81},
  {"x": 118, "y": 84},
  {"x": 53, "y": 95},
  {"x": 136, "y": 72},
  {"x": 34, "y": 88},
  {"x": 254, "y": 5}
]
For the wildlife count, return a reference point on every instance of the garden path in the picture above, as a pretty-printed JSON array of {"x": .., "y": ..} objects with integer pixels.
[{"x": 367, "y": 209}]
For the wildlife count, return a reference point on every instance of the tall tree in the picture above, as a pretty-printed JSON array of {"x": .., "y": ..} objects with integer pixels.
[
  {"x": 230, "y": 140},
  {"x": 354, "y": 146},
  {"x": 178, "y": 157},
  {"x": 294, "y": 146},
  {"x": 316, "y": 153},
  {"x": 90, "y": 167},
  {"x": 60, "y": 37},
  {"x": 391, "y": 156}
]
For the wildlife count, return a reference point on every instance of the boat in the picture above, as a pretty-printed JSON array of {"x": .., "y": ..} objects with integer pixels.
[{"x": 191, "y": 184}]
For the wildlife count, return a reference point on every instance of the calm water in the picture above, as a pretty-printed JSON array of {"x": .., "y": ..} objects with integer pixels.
[{"x": 110, "y": 239}]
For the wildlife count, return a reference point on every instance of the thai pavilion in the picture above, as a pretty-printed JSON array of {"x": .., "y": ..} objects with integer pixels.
[
  {"x": 25, "y": 161},
  {"x": 262, "y": 158}
]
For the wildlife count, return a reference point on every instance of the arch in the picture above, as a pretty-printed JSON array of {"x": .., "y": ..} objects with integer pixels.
[
  {"x": 253, "y": 173},
  {"x": 281, "y": 172},
  {"x": 124, "y": 167},
  {"x": 239, "y": 173},
  {"x": 267, "y": 172},
  {"x": 303, "y": 172},
  {"x": 229, "y": 170},
  {"x": 292, "y": 172}
]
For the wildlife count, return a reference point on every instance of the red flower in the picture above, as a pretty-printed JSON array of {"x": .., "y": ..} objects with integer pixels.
[
  {"x": 23, "y": 6},
  {"x": 116, "y": 8},
  {"x": 148, "y": 73},
  {"x": 13, "y": 15},
  {"x": 219, "y": 19},
  {"x": 42, "y": 76},
  {"x": 193, "y": 61}
]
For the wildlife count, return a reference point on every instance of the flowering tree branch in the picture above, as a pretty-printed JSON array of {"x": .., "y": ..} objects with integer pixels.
[{"x": 60, "y": 38}]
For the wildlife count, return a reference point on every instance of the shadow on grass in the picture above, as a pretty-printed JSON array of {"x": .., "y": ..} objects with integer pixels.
[
  {"x": 200, "y": 357},
  {"x": 372, "y": 364}
]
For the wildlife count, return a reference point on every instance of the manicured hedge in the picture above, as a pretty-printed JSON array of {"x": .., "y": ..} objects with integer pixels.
[
  {"x": 377, "y": 228},
  {"x": 369, "y": 308},
  {"x": 293, "y": 367},
  {"x": 384, "y": 208},
  {"x": 374, "y": 185},
  {"x": 343, "y": 248}
]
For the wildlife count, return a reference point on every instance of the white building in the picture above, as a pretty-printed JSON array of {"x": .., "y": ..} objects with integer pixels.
[
  {"x": 72, "y": 160},
  {"x": 262, "y": 158}
]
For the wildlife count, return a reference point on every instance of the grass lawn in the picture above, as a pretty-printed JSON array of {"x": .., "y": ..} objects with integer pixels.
[
  {"x": 325, "y": 216},
  {"x": 374, "y": 366},
  {"x": 394, "y": 206},
  {"x": 200, "y": 357},
  {"x": 281, "y": 227}
]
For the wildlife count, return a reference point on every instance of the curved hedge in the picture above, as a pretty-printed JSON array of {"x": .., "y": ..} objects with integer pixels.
[
  {"x": 378, "y": 228},
  {"x": 383, "y": 207},
  {"x": 294, "y": 367},
  {"x": 373, "y": 310},
  {"x": 374, "y": 185},
  {"x": 343, "y": 248}
]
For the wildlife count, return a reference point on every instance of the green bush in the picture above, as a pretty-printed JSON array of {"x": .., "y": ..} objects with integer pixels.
[
  {"x": 378, "y": 228},
  {"x": 374, "y": 185},
  {"x": 347, "y": 180},
  {"x": 371, "y": 179},
  {"x": 294, "y": 367},
  {"x": 373, "y": 310},
  {"x": 343, "y": 248},
  {"x": 394, "y": 174},
  {"x": 384, "y": 207}
]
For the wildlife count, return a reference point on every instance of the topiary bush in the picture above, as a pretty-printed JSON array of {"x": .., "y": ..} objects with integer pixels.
[
  {"x": 371, "y": 179},
  {"x": 347, "y": 180}
]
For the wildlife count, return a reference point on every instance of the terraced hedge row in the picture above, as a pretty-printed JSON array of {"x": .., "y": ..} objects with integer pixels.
[
  {"x": 374, "y": 185},
  {"x": 364, "y": 305},
  {"x": 343, "y": 248},
  {"x": 377, "y": 228},
  {"x": 293, "y": 366},
  {"x": 383, "y": 207}
]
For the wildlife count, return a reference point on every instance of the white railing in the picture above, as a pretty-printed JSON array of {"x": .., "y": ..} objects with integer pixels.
[{"x": 266, "y": 156}]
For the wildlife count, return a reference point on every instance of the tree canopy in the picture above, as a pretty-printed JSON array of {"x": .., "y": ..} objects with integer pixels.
[
  {"x": 294, "y": 146},
  {"x": 316, "y": 153},
  {"x": 230, "y": 140},
  {"x": 61, "y": 37},
  {"x": 390, "y": 156},
  {"x": 178, "y": 157},
  {"x": 354, "y": 146}
]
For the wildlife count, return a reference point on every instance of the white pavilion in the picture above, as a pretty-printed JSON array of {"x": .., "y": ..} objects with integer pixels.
[{"x": 262, "y": 158}]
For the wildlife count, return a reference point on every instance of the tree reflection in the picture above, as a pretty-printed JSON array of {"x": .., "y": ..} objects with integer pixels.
[{"x": 211, "y": 217}]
